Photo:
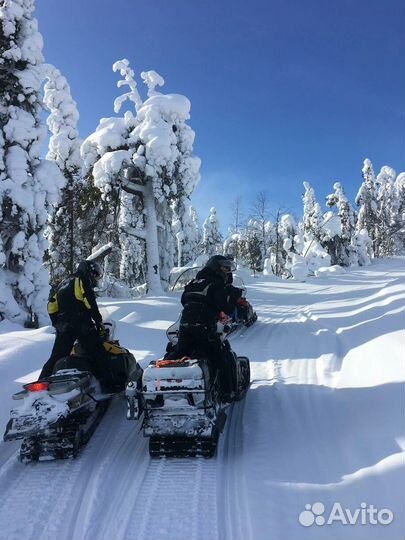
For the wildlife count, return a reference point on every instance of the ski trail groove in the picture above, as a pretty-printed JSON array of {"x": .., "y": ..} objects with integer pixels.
[
  {"x": 177, "y": 501},
  {"x": 120, "y": 460},
  {"x": 10, "y": 470},
  {"x": 35, "y": 491},
  {"x": 233, "y": 506}
]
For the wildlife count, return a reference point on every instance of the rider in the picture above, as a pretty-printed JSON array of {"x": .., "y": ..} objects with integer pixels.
[
  {"x": 203, "y": 299},
  {"x": 75, "y": 315}
]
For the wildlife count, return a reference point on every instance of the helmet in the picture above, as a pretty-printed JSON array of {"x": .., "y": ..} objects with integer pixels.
[
  {"x": 91, "y": 270},
  {"x": 220, "y": 265}
]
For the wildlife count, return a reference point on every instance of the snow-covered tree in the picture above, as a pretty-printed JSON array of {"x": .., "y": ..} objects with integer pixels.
[
  {"x": 191, "y": 237},
  {"x": 275, "y": 259},
  {"x": 28, "y": 185},
  {"x": 387, "y": 212},
  {"x": 131, "y": 268},
  {"x": 150, "y": 156},
  {"x": 366, "y": 199},
  {"x": 399, "y": 215},
  {"x": 212, "y": 238},
  {"x": 287, "y": 231},
  {"x": 65, "y": 248},
  {"x": 345, "y": 250},
  {"x": 250, "y": 246},
  {"x": 232, "y": 245},
  {"x": 364, "y": 249},
  {"x": 168, "y": 242},
  {"x": 312, "y": 220},
  {"x": 331, "y": 234}
]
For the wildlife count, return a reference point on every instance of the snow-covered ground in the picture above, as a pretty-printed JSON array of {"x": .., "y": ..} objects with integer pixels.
[{"x": 323, "y": 422}]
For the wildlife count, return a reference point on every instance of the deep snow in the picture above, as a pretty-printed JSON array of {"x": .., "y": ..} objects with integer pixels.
[{"x": 323, "y": 422}]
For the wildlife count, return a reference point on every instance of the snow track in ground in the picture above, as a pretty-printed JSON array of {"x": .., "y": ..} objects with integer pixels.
[
  {"x": 323, "y": 421},
  {"x": 233, "y": 503},
  {"x": 178, "y": 500}
]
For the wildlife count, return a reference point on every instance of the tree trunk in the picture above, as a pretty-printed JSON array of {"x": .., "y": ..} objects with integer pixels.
[{"x": 152, "y": 245}]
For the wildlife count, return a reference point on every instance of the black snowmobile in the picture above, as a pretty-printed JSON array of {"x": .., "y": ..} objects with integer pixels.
[
  {"x": 57, "y": 415},
  {"x": 183, "y": 415},
  {"x": 244, "y": 315}
]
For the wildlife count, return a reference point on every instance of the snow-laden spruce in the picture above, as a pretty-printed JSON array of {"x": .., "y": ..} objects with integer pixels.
[
  {"x": 28, "y": 185},
  {"x": 148, "y": 155},
  {"x": 345, "y": 252},
  {"x": 191, "y": 236},
  {"x": 312, "y": 214},
  {"x": 64, "y": 251},
  {"x": 399, "y": 216},
  {"x": 366, "y": 199},
  {"x": 381, "y": 218},
  {"x": 212, "y": 237}
]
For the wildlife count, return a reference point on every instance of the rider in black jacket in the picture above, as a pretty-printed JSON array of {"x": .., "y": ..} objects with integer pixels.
[
  {"x": 75, "y": 315},
  {"x": 203, "y": 299}
]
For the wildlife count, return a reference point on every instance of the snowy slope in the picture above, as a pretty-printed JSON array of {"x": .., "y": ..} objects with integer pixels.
[{"x": 324, "y": 422}]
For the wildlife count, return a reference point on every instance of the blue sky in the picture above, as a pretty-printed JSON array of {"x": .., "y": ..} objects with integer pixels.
[{"x": 282, "y": 91}]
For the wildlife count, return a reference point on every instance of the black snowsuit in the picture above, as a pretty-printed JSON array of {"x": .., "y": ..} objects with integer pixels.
[
  {"x": 203, "y": 300},
  {"x": 75, "y": 315}
]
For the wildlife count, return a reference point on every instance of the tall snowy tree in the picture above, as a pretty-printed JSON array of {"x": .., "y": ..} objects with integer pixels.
[
  {"x": 65, "y": 247},
  {"x": 190, "y": 237},
  {"x": 366, "y": 199},
  {"x": 288, "y": 231},
  {"x": 250, "y": 246},
  {"x": 312, "y": 220},
  {"x": 212, "y": 238},
  {"x": 275, "y": 252},
  {"x": 387, "y": 211},
  {"x": 345, "y": 249},
  {"x": 28, "y": 185},
  {"x": 399, "y": 215},
  {"x": 150, "y": 156}
]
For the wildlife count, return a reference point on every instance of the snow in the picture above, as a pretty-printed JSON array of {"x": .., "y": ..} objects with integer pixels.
[
  {"x": 323, "y": 422},
  {"x": 108, "y": 167},
  {"x": 110, "y": 133},
  {"x": 326, "y": 270},
  {"x": 331, "y": 225}
]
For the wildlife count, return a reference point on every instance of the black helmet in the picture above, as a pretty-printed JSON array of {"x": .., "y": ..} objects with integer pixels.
[
  {"x": 220, "y": 265},
  {"x": 91, "y": 270}
]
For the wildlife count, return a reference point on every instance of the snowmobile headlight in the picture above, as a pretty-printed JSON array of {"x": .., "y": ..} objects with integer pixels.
[{"x": 36, "y": 386}]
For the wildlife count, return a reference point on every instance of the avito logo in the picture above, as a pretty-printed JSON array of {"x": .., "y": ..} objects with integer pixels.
[{"x": 367, "y": 514}]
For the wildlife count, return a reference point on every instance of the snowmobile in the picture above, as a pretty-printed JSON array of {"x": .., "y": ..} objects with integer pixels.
[
  {"x": 180, "y": 400},
  {"x": 244, "y": 315},
  {"x": 56, "y": 416}
]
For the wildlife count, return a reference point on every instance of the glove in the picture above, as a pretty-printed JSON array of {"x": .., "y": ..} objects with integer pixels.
[{"x": 101, "y": 328}]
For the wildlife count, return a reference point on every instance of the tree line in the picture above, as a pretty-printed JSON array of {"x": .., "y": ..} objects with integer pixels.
[{"x": 123, "y": 195}]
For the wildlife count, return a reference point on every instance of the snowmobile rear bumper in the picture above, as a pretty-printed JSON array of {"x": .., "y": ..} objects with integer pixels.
[
  {"x": 191, "y": 423},
  {"x": 179, "y": 447},
  {"x": 193, "y": 444}
]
